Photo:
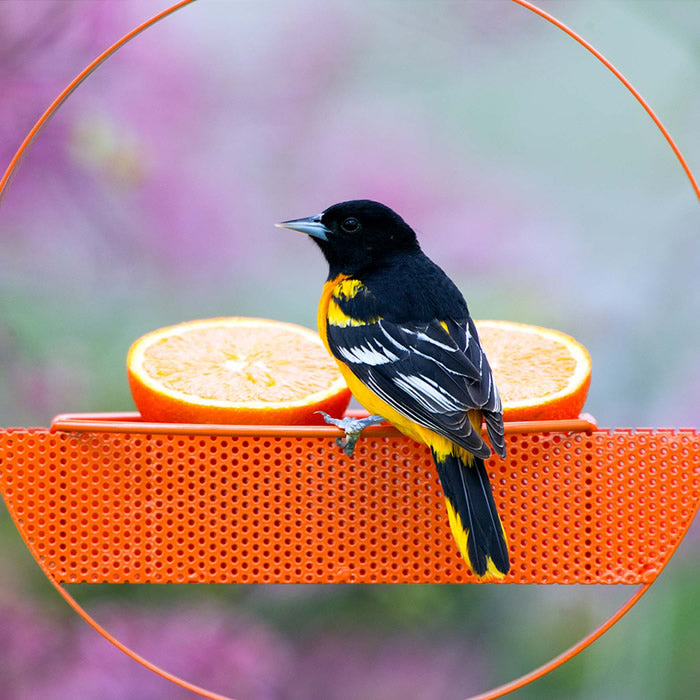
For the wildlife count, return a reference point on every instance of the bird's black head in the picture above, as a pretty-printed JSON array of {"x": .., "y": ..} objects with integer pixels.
[{"x": 357, "y": 235}]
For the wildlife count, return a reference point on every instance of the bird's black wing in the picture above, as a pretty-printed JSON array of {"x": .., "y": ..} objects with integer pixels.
[{"x": 433, "y": 372}]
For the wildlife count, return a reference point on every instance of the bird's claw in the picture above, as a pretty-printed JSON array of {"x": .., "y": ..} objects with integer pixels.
[{"x": 352, "y": 427}]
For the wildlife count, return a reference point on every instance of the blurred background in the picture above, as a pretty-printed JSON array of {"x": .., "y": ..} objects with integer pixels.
[{"x": 532, "y": 177}]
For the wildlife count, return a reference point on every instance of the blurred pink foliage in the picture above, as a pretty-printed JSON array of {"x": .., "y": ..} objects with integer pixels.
[
  {"x": 43, "y": 45},
  {"x": 222, "y": 651},
  {"x": 46, "y": 658}
]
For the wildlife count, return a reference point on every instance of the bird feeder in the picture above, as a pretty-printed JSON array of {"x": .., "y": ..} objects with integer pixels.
[{"x": 109, "y": 498}]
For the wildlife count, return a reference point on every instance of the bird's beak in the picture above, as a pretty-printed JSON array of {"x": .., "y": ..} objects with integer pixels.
[{"x": 311, "y": 225}]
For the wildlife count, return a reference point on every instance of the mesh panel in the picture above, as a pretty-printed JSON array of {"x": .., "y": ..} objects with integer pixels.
[{"x": 599, "y": 507}]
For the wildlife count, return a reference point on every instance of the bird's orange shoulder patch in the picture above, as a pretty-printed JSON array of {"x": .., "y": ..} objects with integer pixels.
[{"x": 337, "y": 292}]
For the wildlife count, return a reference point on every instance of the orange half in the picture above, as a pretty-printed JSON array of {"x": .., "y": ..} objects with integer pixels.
[
  {"x": 541, "y": 374},
  {"x": 235, "y": 371}
]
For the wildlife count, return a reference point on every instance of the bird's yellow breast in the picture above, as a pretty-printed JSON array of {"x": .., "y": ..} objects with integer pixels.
[{"x": 329, "y": 312}]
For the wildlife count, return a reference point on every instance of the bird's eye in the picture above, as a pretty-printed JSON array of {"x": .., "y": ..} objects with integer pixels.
[{"x": 350, "y": 225}]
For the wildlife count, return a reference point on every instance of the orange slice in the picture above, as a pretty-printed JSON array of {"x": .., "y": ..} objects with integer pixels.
[
  {"x": 235, "y": 371},
  {"x": 540, "y": 373}
]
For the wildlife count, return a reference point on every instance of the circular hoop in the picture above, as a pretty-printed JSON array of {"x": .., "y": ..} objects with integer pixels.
[{"x": 489, "y": 695}]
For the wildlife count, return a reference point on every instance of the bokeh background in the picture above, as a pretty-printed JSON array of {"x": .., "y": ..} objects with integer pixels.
[{"x": 532, "y": 177}]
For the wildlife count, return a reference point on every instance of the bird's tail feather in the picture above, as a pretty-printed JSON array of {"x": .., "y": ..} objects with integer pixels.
[{"x": 472, "y": 513}]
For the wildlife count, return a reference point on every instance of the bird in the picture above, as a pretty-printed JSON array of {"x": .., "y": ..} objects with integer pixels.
[{"x": 405, "y": 342}]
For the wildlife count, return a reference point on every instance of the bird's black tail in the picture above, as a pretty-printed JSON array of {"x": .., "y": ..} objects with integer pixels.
[{"x": 472, "y": 512}]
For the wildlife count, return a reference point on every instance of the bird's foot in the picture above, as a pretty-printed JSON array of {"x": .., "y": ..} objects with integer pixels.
[{"x": 352, "y": 427}]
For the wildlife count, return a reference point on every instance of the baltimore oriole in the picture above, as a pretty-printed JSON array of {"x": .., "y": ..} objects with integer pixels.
[{"x": 403, "y": 338}]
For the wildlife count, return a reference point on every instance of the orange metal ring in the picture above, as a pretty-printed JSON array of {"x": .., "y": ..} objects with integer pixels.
[{"x": 73, "y": 423}]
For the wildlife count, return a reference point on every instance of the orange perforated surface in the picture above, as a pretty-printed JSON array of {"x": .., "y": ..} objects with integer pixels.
[{"x": 594, "y": 507}]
